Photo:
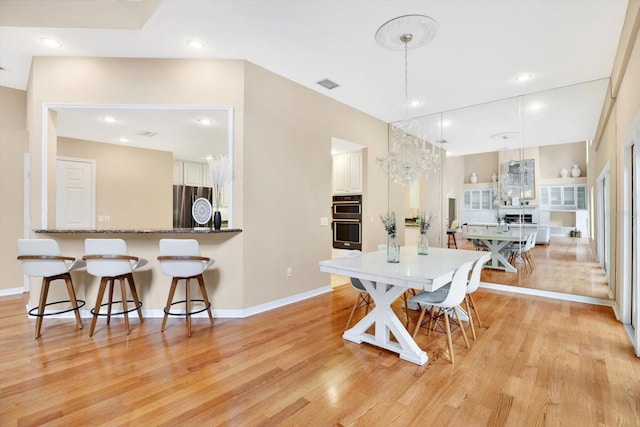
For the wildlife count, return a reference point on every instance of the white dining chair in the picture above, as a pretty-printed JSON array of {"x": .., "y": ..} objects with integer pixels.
[
  {"x": 444, "y": 305},
  {"x": 110, "y": 260},
  {"x": 472, "y": 286},
  {"x": 181, "y": 260},
  {"x": 42, "y": 258},
  {"x": 363, "y": 300}
]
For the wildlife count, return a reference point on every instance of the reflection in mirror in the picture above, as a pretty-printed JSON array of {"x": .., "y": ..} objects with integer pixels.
[
  {"x": 133, "y": 167},
  {"x": 548, "y": 135}
]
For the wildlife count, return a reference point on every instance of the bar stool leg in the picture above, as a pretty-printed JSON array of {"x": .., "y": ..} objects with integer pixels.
[
  {"x": 188, "y": 305},
  {"x": 43, "y": 300},
  {"x": 74, "y": 301},
  {"x": 134, "y": 294},
  {"x": 203, "y": 291},
  {"x": 96, "y": 310},
  {"x": 172, "y": 291},
  {"x": 111, "y": 285},
  {"x": 123, "y": 291}
]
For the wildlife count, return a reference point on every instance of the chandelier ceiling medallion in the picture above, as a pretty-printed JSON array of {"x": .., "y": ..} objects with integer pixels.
[{"x": 409, "y": 158}]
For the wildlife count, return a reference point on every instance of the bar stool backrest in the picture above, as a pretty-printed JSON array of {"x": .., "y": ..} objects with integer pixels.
[
  {"x": 41, "y": 267},
  {"x": 181, "y": 268},
  {"x": 107, "y": 267}
]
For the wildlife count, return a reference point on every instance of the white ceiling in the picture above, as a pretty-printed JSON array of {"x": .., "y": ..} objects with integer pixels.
[{"x": 481, "y": 45}]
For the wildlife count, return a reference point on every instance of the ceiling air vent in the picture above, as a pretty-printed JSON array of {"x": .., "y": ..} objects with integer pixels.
[
  {"x": 147, "y": 133},
  {"x": 328, "y": 84}
]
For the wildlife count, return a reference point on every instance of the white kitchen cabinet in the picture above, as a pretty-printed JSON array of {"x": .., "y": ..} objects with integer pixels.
[
  {"x": 192, "y": 174},
  {"x": 481, "y": 199},
  {"x": 177, "y": 173},
  {"x": 347, "y": 173},
  {"x": 563, "y": 197}
]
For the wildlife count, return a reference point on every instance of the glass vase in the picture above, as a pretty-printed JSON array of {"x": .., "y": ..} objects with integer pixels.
[
  {"x": 393, "y": 249},
  {"x": 423, "y": 244}
]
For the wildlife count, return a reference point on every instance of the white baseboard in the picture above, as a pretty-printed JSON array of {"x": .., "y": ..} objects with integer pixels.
[
  {"x": 549, "y": 294},
  {"x": 12, "y": 291},
  {"x": 85, "y": 312}
]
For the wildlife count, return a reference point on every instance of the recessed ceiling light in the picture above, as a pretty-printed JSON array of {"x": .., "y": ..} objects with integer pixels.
[
  {"x": 109, "y": 119},
  {"x": 205, "y": 121},
  {"x": 415, "y": 103},
  {"x": 123, "y": 140},
  {"x": 524, "y": 77},
  {"x": 536, "y": 106},
  {"x": 195, "y": 44},
  {"x": 50, "y": 42}
]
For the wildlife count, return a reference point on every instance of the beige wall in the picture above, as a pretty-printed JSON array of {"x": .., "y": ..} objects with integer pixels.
[
  {"x": 282, "y": 168},
  {"x": 134, "y": 186},
  {"x": 619, "y": 112},
  {"x": 555, "y": 157},
  {"x": 483, "y": 164},
  {"x": 287, "y": 170},
  {"x": 143, "y": 81},
  {"x": 13, "y": 144}
]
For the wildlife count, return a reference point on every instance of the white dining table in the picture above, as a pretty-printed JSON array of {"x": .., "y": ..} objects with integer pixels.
[
  {"x": 420, "y": 272},
  {"x": 497, "y": 241}
]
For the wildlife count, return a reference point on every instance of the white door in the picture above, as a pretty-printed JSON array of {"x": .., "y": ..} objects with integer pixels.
[{"x": 75, "y": 190}]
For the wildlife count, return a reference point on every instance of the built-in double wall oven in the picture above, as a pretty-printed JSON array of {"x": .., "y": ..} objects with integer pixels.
[{"x": 347, "y": 221}]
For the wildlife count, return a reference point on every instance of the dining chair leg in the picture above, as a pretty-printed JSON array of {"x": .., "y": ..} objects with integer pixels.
[
  {"x": 432, "y": 319},
  {"x": 74, "y": 300},
  {"x": 43, "y": 300},
  {"x": 406, "y": 308},
  {"x": 464, "y": 333},
  {"x": 96, "y": 309},
  {"x": 473, "y": 329},
  {"x": 353, "y": 310},
  {"x": 205, "y": 297},
  {"x": 448, "y": 331},
  {"x": 123, "y": 291},
  {"x": 473, "y": 307},
  {"x": 419, "y": 322}
]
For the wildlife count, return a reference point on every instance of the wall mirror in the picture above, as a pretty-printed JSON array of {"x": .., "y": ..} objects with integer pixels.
[
  {"x": 138, "y": 154},
  {"x": 545, "y": 132}
]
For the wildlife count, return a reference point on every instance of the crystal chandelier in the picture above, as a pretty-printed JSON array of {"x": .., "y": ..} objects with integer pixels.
[{"x": 409, "y": 158}]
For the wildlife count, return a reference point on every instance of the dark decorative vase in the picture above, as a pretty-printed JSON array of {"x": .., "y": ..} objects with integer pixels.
[{"x": 217, "y": 220}]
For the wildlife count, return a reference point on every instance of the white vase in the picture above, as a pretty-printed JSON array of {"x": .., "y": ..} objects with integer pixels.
[
  {"x": 564, "y": 172},
  {"x": 575, "y": 171},
  {"x": 474, "y": 178}
]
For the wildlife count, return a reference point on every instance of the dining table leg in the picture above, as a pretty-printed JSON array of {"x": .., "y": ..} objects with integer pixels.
[
  {"x": 386, "y": 324},
  {"x": 497, "y": 258}
]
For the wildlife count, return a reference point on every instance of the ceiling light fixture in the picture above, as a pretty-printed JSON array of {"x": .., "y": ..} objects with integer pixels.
[
  {"x": 195, "y": 44},
  {"x": 50, "y": 42},
  {"x": 205, "y": 121},
  {"x": 109, "y": 119},
  {"x": 408, "y": 158},
  {"x": 524, "y": 77},
  {"x": 123, "y": 140}
]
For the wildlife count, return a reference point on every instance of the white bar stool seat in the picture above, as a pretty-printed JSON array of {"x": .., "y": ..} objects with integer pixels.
[
  {"x": 42, "y": 258},
  {"x": 181, "y": 259},
  {"x": 109, "y": 260}
]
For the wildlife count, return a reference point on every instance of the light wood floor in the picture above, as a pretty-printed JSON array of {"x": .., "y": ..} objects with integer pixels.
[
  {"x": 537, "y": 362},
  {"x": 565, "y": 265}
]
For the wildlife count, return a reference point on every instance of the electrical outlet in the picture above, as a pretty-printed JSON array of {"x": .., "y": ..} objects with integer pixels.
[
  {"x": 100, "y": 218},
  {"x": 106, "y": 218},
  {"x": 324, "y": 221},
  {"x": 289, "y": 271}
]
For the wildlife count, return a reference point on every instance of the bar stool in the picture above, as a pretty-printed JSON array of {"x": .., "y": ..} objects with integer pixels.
[
  {"x": 42, "y": 258},
  {"x": 109, "y": 260},
  {"x": 180, "y": 259},
  {"x": 451, "y": 233}
]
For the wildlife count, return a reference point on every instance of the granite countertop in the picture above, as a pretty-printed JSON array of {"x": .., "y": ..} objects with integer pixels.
[{"x": 149, "y": 231}]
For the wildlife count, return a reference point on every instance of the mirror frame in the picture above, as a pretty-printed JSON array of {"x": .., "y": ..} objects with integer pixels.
[{"x": 46, "y": 107}]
